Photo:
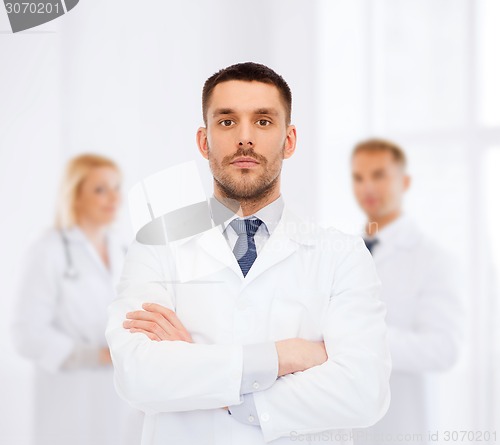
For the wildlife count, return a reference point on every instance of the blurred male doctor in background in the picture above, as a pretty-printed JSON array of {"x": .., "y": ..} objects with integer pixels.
[{"x": 424, "y": 311}]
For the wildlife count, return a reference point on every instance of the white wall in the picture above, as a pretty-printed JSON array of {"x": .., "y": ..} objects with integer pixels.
[{"x": 30, "y": 161}]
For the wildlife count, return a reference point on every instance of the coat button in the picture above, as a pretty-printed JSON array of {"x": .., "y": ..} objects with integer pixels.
[{"x": 264, "y": 417}]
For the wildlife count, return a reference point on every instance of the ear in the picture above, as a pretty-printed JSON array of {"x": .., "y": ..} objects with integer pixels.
[
  {"x": 290, "y": 141},
  {"x": 406, "y": 182},
  {"x": 202, "y": 142}
]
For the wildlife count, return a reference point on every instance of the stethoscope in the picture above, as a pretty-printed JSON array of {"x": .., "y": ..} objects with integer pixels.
[{"x": 70, "y": 271}]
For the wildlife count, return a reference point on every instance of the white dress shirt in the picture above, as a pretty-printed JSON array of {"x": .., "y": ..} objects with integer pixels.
[{"x": 260, "y": 360}]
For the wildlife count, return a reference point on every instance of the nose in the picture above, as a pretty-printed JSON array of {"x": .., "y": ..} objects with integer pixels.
[
  {"x": 368, "y": 189},
  {"x": 245, "y": 137},
  {"x": 115, "y": 196}
]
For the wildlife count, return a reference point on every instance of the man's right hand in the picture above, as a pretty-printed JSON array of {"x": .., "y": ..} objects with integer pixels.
[{"x": 297, "y": 354}]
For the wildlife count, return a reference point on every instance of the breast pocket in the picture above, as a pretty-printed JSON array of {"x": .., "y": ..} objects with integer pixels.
[
  {"x": 296, "y": 313},
  {"x": 205, "y": 310}
]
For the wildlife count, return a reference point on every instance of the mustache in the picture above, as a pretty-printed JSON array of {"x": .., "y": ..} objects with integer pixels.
[{"x": 247, "y": 152}]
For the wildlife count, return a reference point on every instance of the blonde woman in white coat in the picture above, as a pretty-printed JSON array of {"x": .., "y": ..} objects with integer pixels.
[{"x": 68, "y": 282}]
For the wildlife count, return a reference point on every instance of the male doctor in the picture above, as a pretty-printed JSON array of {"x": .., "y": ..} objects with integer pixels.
[
  {"x": 424, "y": 312},
  {"x": 280, "y": 336}
]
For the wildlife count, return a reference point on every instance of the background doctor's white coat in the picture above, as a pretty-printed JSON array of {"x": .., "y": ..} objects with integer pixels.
[{"x": 124, "y": 78}]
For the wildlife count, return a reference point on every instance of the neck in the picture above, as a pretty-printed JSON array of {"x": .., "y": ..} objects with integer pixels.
[
  {"x": 96, "y": 233},
  {"x": 377, "y": 223},
  {"x": 245, "y": 207}
]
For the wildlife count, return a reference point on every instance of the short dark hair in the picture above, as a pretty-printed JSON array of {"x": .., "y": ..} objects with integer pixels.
[
  {"x": 247, "y": 71},
  {"x": 377, "y": 145}
]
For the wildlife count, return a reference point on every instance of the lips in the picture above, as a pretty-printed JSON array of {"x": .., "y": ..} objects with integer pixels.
[
  {"x": 370, "y": 201},
  {"x": 245, "y": 162}
]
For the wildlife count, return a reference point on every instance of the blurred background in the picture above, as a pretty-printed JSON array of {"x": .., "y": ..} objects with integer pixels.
[{"x": 124, "y": 79}]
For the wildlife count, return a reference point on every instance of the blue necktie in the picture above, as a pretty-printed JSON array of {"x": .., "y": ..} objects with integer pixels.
[
  {"x": 370, "y": 243},
  {"x": 244, "y": 249}
]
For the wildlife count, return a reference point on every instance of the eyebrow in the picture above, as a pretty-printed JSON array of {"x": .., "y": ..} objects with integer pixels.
[{"x": 222, "y": 111}]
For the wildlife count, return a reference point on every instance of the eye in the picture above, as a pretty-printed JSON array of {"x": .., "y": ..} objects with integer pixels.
[
  {"x": 263, "y": 122},
  {"x": 226, "y": 122}
]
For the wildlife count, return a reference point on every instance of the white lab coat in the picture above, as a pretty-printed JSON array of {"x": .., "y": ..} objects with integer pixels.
[
  {"x": 306, "y": 282},
  {"x": 53, "y": 316},
  {"x": 425, "y": 322}
]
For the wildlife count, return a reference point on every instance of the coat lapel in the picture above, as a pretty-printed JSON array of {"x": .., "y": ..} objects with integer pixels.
[
  {"x": 116, "y": 252},
  {"x": 203, "y": 255},
  {"x": 404, "y": 236},
  {"x": 209, "y": 252},
  {"x": 286, "y": 239}
]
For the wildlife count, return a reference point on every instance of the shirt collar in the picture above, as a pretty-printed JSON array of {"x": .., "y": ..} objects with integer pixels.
[
  {"x": 270, "y": 214},
  {"x": 389, "y": 231},
  {"x": 74, "y": 234}
]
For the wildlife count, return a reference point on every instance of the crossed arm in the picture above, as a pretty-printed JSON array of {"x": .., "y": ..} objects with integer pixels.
[
  {"x": 342, "y": 382},
  {"x": 160, "y": 323}
]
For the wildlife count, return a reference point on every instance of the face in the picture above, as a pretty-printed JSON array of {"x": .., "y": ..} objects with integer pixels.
[
  {"x": 379, "y": 183},
  {"x": 246, "y": 138},
  {"x": 99, "y": 197}
]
